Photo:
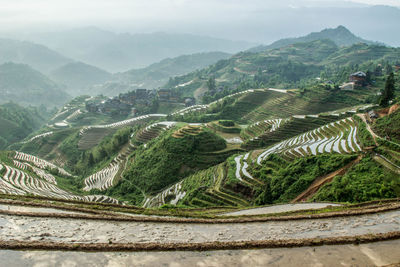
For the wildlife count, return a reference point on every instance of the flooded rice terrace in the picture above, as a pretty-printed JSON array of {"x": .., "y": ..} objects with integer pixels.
[
  {"x": 374, "y": 254},
  {"x": 96, "y": 231}
]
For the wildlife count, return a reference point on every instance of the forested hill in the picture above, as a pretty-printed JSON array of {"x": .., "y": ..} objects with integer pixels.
[
  {"x": 38, "y": 56},
  {"x": 340, "y": 36},
  {"x": 288, "y": 67},
  {"x": 23, "y": 85},
  {"x": 17, "y": 122},
  {"x": 120, "y": 52},
  {"x": 78, "y": 76},
  {"x": 158, "y": 73}
]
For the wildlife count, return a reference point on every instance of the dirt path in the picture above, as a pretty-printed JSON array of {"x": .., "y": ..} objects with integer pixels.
[
  {"x": 374, "y": 135},
  {"x": 320, "y": 181}
]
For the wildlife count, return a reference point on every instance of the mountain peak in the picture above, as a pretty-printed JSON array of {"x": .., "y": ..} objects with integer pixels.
[{"x": 340, "y": 35}]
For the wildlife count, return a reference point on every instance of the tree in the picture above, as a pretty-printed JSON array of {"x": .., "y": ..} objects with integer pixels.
[
  {"x": 388, "y": 92},
  {"x": 368, "y": 77},
  {"x": 91, "y": 159},
  {"x": 211, "y": 84},
  {"x": 388, "y": 68}
]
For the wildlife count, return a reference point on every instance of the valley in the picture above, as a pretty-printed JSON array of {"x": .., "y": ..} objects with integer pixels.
[{"x": 292, "y": 147}]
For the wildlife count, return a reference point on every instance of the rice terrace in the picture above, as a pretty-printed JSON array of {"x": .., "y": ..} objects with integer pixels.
[{"x": 159, "y": 146}]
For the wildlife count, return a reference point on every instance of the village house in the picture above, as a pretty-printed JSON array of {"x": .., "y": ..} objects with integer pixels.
[
  {"x": 372, "y": 114},
  {"x": 190, "y": 101},
  {"x": 164, "y": 94},
  {"x": 358, "y": 78},
  {"x": 397, "y": 66}
]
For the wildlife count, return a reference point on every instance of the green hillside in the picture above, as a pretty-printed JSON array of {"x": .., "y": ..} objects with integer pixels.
[
  {"x": 78, "y": 77},
  {"x": 389, "y": 126},
  {"x": 166, "y": 160},
  {"x": 157, "y": 74},
  {"x": 116, "y": 52},
  {"x": 293, "y": 66},
  {"x": 38, "y": 56},
  {"x": 22, "y": 84},
  {"x": 17, "y": 122}
]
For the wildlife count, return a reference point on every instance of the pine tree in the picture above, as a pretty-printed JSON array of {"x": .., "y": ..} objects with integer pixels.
[
  {"x": 91, "y": 159},
  {"x": 368, "y": 77},
  {"x": 211, "y": 84},
  {"x": 388, "y": 92}
]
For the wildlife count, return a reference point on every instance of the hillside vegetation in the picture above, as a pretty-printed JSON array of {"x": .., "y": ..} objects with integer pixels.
[
  {"x": 293, "y": 66},
  {"x": 22, "y": 84},
  {"x": 340, "y": 35},
  {"x": 78, "y": 77},
  {"x": 157, "y": 74},
  {"x": 17, "y": 122},
  {"x": 38, "y": 56},
  {"x": 120, "y": 52},
  {"x": 389, "y": 126},
  {"x": 166, "y": 160}
]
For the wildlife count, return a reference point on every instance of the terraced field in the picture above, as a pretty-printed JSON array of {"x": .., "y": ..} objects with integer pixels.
[
  {"x": 241, "y": 173},
  {"x": 254, "y": 130},
  {"x": 252, "y": 94},
  {"x": 170, "y": 195},
  {"x": 92, "y": 135},
  {"x": 38, "y": 136},
  {"x": 212, "y": 191},
  {"x": 187, "y": 130},
  {"x": 194, "y": 108},
  {"x": 261, "y": 134},
  {"x": 40, "y": 163},
  {"x": 39, "y": 172},
  {"x": 152, "y": 131},
  {"x": 106, "y": 177},
  {"x": 18, "y": 182},
  {"x": 339, "y": 137}
]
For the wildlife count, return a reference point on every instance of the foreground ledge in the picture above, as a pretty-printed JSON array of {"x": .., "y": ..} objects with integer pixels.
[{"x": 109, "y": 247}]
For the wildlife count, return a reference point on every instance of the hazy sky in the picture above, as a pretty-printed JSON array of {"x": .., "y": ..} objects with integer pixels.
[
  {"x": 28, "y": 13},
  {"x": 252, "y": 20}
]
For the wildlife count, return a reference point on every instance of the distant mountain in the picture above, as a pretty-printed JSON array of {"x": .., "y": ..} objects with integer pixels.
[
  {"x": 286, "y": 67},
  {"x": 120, "y": 52},
  {"x": 340, "y": 35},
  {"x": 23, "y": 85},
  {"x": 158, "y": 74},
  {"x": 77, "y": 77},
  {"x": 37, "y": 56},
  {"x": 17, "y": 122}
]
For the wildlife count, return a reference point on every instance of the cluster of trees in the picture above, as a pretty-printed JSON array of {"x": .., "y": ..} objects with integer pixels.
[
  {"x": 364, "y": 182},
  {"x": 387, "y": 93},
  {"x": 106, "y": 149},
  {"x": 17, "y": 122},
  {"x": 292, "y": 178},
  {"x": 165, "y": 161}
]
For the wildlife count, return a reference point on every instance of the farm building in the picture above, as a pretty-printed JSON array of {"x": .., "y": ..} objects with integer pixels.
[
  {"x": 359, "y": 78},
  {"x": 372, "y": 114}
]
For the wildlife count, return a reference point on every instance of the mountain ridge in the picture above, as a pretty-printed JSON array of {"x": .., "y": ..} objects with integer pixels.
[
  {"x": 340, "y": 35},
  {"x": 22, "y": 84}
]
